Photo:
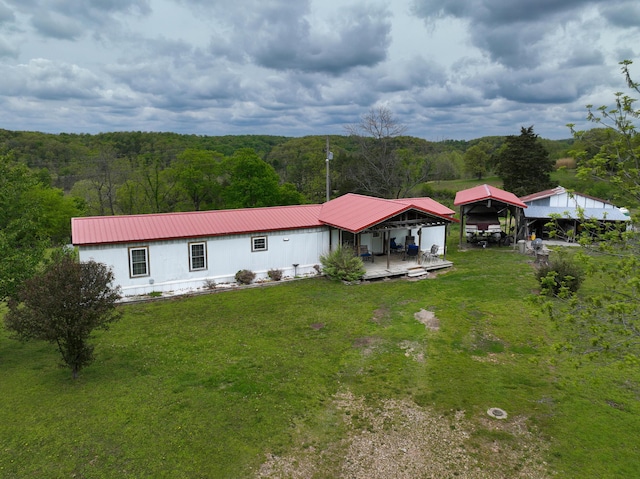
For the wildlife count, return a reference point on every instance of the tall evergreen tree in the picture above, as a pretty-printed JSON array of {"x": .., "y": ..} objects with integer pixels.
[{"x": 524, "y": 164}]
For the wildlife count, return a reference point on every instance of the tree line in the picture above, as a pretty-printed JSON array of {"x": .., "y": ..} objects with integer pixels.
[{"x": 147, "y": 172}]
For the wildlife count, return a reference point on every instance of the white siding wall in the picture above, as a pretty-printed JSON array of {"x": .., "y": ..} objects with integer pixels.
[
  {"x": 566, "y": 200},
  {"x": 434, "y": 235},
  {"x": 430, "y": 235},
  {"x": 169, "y": 260}
]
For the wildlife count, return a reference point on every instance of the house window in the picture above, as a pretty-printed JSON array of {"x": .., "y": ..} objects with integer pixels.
[
  {"x": 139, "y": 261},
  {"x": 259, "y": 243},
  {"x": 197, "y": 256}
]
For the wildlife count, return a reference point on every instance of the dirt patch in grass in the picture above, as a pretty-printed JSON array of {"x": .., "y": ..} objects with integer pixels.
[
  {"x": 413, "y": 350},
  {"x": 399, "y": 439},
  {"x": 367, "y": 344},
  {"x": 382, "y": 315},
  {"x": 428, "y": 318}
]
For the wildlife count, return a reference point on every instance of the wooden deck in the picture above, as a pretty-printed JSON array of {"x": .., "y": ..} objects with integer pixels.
[{"x": 398, "y": 267}]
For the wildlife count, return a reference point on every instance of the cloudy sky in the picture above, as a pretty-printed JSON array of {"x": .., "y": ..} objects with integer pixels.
[{"x": 447, "y": 69}]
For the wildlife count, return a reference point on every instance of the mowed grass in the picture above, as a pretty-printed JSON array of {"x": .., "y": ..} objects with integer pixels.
[{"x": 206, "y": 386}]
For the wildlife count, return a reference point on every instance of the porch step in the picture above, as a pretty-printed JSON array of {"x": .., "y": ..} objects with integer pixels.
[{"x": 416, "y": 271}]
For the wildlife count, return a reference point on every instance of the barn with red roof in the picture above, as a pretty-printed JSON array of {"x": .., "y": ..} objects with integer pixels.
[{"x": 177, "y": 251}]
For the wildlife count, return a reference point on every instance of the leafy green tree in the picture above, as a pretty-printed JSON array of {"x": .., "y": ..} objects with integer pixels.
[
  {"x": 84, "y": 192},
  {"x": 605, "y": 323},
  {"x": 56, "y": 210},
  {"x": 589, "y": 143},
  {"x": 104, "y": 175},
  {"x": 130, "y": 198},
  {"x": 22, "y": 238},
  {"x": 524, "y": 164},
  {"x": 302, "y": 162},
  {"x": 157, "y": 184},
  {"x": 251, "y": 182},
  {"x": 64, "y": 305},
  {"x": 476, "y": 159},
  {"x": 197, "y": 174},
  {"x": 447, "y": 165}
]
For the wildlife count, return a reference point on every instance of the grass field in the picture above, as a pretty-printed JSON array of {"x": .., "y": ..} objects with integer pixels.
[{"x": 208, "y": 386}]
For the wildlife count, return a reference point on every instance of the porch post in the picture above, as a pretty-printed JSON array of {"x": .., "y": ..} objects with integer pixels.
[
  {"x": 515, "y": 213},
  {"x": 387, "y": 240},
  {"x": 461, "y": 224},
  {"x": 446, "y": 235}
]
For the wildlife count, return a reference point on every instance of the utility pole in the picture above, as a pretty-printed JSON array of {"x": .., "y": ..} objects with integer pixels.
[{"x": 329, "y": 156}]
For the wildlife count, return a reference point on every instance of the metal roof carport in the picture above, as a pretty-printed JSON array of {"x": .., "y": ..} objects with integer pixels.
[{"x": 489, "y": 197}]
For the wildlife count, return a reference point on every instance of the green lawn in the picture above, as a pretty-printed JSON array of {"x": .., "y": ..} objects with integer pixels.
[{"x": 205, "y": 386}]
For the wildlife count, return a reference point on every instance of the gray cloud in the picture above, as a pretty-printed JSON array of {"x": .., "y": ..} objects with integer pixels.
[
  {"x": 623, "y": 14},
  {"x": 283, "y": 37},
  {"x": 511, "y": 32},
  {"x": 68, "y": 19},
  {"x": 57, "y": 26},
  {"x": 6, "y": 14},
  {"x": 45, "y": 80},
  {"x": 450, "y": 69},
  {"x": 7, "y": 49}
]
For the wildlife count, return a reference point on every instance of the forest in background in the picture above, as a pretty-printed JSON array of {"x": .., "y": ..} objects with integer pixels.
[{"x": 146, "y": 172}]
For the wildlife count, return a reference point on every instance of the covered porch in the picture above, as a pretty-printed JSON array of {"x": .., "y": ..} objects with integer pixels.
[
  {"x": 391, "y": 236},
  {"x": 398, "y": 267}
]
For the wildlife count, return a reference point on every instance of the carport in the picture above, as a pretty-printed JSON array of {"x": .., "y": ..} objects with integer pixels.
[{"x": 478, "y": 205}]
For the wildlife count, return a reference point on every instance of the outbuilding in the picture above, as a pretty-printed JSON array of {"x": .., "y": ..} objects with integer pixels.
[
  {"x": 489, "y": 215},
  {"x": 567, "y": 211}
]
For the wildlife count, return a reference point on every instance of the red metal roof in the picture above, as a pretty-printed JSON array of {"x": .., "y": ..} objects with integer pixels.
[
  {"x": 485, "y": 192},
  {"x": 356, "y": 213},
  {"x": 428, "y": 205},
  {"x": 558, "y": 190},
  {"x": 543, "y": 194},
  {"x": 156, "y": 227},
  {"x": 350, "y": 212}
]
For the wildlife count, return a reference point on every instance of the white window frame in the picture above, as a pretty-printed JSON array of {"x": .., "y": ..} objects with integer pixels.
[
  {"x": 192, "y": 257},
  {"x": 259, "y": 243},
  {"x": 146, "y": 261}
]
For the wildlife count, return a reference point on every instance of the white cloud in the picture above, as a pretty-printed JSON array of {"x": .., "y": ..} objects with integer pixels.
[{"x": 447, "y": 68}]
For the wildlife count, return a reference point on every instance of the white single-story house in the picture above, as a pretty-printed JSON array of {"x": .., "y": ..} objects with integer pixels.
[
  {"x": 568, "y": 210},
  {"x": 178, "y": 251}
]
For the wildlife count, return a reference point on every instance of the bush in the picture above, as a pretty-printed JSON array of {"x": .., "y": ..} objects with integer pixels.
[
  {"x": 209, "y": 284},
  {"x": 275, "y": 274},
  {"x": 245, "y": 276},
  {"x": 561, "y": 274},
  {"x": 342, "y": 264}
]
